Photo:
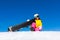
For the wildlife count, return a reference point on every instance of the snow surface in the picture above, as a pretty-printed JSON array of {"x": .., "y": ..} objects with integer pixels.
[{"x": 43, "y": 35}]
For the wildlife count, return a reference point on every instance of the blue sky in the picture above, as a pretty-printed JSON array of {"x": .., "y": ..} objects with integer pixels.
[{"x": 14, "y": 12}]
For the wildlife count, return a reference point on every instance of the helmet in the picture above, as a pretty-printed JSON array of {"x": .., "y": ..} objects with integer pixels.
[{"x": 36, "y": 15}]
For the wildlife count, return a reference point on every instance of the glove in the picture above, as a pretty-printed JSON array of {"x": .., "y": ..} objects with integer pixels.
[{"x": 40, "y": 27}]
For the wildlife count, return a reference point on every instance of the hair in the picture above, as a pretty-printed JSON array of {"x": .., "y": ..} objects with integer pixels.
[{"x": 37, "y": 17}]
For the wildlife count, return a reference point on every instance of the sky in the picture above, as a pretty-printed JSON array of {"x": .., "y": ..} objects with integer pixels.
[{"x": 13, "y": 12}]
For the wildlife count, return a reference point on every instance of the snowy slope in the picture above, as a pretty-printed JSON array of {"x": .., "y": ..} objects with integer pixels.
[{"x": 43, "y": 35}]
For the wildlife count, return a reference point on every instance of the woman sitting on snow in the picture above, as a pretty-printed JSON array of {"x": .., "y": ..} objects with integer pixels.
[{"x": 37, "y": 24}]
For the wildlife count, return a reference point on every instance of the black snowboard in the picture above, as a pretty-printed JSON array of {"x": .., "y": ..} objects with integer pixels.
[{"x": 24, "y": 24}]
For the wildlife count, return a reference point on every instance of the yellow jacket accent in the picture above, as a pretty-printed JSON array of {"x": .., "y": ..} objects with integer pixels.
[{"x": 38, "y": 23}]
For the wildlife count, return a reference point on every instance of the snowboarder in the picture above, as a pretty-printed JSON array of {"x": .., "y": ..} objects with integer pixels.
[{"x": 37, "y": 25}]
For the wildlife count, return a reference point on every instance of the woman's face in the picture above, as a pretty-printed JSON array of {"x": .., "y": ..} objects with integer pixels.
[{"x": 37, "y": 18}]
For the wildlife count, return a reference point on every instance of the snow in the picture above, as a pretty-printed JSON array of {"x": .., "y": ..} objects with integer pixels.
[{"x": 43, "y": 35}]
